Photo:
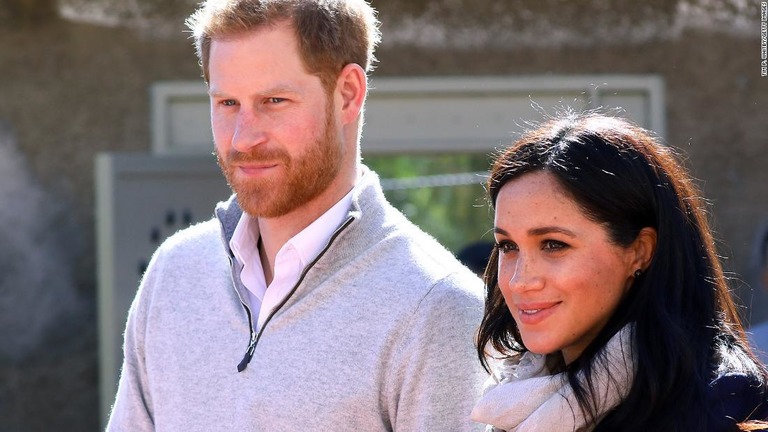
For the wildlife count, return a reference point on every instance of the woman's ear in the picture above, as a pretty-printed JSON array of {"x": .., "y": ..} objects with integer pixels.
[
  {"x": 644, "y": 247},
  {"x": 351, "y": 89}
]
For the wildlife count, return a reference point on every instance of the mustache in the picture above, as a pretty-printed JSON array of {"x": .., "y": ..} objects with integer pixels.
[{"x": 258, "y": 155}]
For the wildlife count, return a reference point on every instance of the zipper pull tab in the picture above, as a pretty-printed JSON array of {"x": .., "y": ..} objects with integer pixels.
[{"x": 248, "y": 354}]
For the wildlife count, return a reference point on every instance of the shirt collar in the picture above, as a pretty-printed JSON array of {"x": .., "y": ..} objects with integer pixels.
[
  {"x": 311, "y": 240},
  {"x": 308, "y": 242}
]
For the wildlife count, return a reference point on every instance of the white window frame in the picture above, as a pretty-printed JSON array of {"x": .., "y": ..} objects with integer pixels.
[{"x": 433, "y": 114}]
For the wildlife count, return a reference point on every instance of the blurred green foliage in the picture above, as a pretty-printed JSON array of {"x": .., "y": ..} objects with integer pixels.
[{"x": 454, "y": 215}]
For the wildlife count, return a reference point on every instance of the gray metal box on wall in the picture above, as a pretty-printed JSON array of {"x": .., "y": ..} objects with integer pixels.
[{"x": 141, "y": 199}]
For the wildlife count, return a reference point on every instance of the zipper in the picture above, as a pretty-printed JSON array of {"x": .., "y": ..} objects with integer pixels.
[
  {"x": 251, "y": 348},
  {"x": 254, "y": 339}
]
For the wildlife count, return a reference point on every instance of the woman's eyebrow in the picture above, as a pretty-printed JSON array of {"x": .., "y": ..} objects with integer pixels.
[{"x": 549, "y": 230}]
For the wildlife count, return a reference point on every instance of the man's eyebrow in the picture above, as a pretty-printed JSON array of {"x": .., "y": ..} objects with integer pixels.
[{"x": 270, "y": 91}]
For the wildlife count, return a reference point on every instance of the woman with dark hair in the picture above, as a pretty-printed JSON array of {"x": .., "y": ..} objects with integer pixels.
[{"x": 606, "y": 303}]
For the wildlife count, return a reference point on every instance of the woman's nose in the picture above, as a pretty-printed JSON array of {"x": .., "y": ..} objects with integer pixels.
[{"x": 523, "y": 275}]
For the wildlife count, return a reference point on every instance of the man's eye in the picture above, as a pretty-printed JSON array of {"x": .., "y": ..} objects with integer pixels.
[
  {"x": 228, "y": 102},
  {"x": 275, "y": 100}
]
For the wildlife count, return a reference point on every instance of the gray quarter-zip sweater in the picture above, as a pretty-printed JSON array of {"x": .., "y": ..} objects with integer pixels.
[{"x": 376, "y": 336}]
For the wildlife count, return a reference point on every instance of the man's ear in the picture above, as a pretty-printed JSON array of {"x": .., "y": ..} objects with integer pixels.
[{"x": 351, "y": 88}]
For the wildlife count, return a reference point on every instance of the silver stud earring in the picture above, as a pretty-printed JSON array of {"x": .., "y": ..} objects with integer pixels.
[{"x": 638, "y": 272}]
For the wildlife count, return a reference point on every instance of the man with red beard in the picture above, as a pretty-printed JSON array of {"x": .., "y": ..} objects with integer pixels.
[{"x": 308, "y": 302}]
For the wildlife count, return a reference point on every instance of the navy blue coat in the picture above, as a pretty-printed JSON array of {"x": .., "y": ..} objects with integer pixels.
[
  {"x": 732, "y": 397},
  {"x": 735, "y": 396}
]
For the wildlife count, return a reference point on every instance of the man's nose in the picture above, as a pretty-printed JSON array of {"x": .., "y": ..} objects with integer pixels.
[{"x": 249, "y": 131}]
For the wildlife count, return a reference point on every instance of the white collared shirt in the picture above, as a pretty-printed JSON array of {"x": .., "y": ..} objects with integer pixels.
[{"x": 290, "y": 260}]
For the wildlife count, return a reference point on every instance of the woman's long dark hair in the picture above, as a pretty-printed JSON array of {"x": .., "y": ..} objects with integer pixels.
[{"x": 681, "y": 307}]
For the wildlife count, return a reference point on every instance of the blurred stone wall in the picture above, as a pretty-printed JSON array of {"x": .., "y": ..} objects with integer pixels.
[
  {"x": 68, "y": 90},
  {"x": 75, "y": 78}
]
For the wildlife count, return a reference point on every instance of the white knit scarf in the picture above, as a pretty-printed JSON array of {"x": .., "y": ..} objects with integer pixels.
[{"x": 528, "y": 398}]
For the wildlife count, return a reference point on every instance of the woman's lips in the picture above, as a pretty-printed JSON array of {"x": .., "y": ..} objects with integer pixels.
[{"x": 534, "y": 313}]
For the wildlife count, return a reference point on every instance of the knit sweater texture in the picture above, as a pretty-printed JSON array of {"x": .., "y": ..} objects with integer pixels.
[{"x": 377, "y": 335}]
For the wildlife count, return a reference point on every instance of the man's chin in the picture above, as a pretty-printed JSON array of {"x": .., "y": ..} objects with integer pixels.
[{"x": 263, "y": 205}]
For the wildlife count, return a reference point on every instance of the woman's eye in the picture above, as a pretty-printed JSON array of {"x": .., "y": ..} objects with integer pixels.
[
  {"x": 553, "y": 245},
  {"x": 506, "y": 247}
]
